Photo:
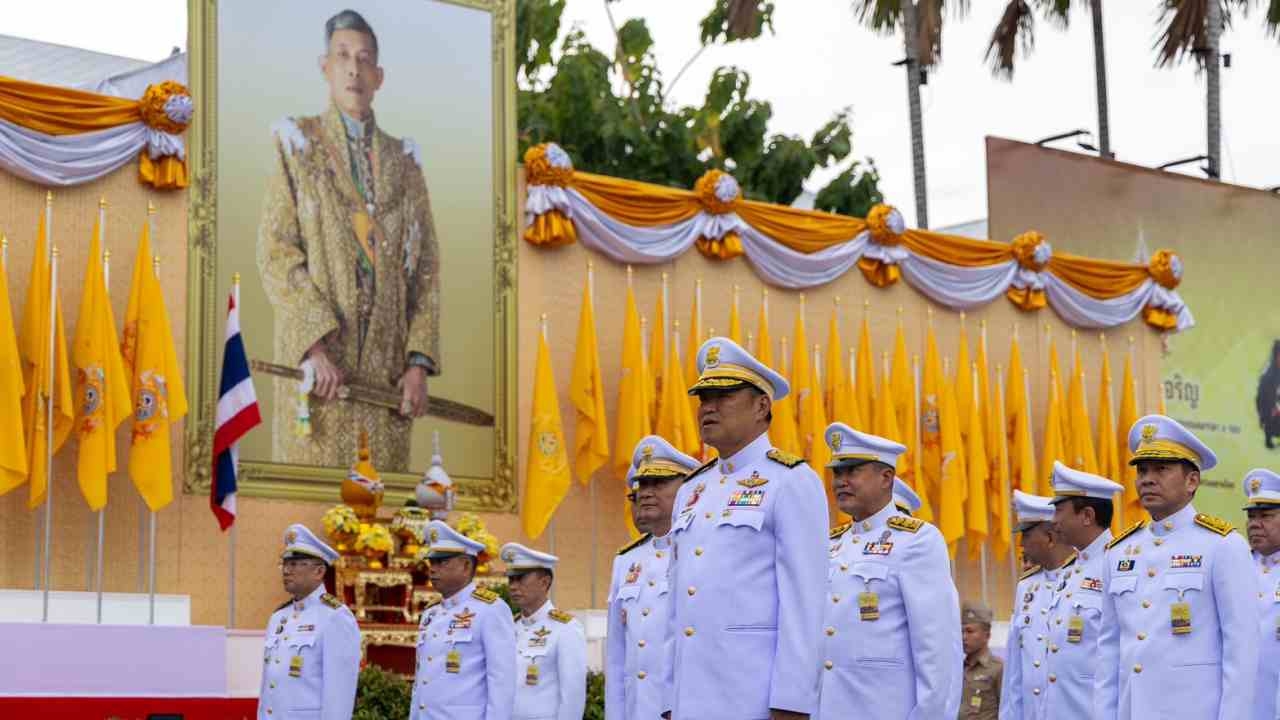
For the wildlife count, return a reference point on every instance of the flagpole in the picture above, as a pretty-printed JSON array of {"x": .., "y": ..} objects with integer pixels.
[
  {"x": 102, "y": 513},
  {"x": 142, "y": 504},
  {"x": 1026, "y": 394},
  {"x": 1008, "y": 476},
  {"x": 48, "y": 429},
  {"x": 592, "y": 499},
  {"x": 35, "y": 519},
  {"x": 231, "y": 536},
  {"x": 151, "y": 545},
  {"x": 982, "y": 558}
]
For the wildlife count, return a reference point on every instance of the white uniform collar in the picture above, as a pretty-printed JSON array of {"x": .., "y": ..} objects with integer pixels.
[
  {"x": 754, "y": 452},
  {"x": 877, "y": 520},
  {"x": 1185, "y": 517},
  {"x": 459, "y": 597},
  {"x": 539, "y": 615},
  {"x": 310, "y": 600},
  {"x": 1094, "y": 550},
  {"x": 1268, "y": 561},
  {"x": 661, "y": 543}
]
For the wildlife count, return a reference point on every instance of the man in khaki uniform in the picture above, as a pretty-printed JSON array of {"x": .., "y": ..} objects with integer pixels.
[
  {"x": 983, "y": 672},
  {"x": 348, "y": 254}
]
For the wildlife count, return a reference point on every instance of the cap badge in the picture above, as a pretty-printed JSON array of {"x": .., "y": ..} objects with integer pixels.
[
  {"x": 1255, "y": 484},
  {"x": 836, "y": 440},
  {"x": 291, "y": 537},
  {"x": 713, "y": 356},
  {"x": 646, "y": 452},
  {"x": 509, "y": 556},
  {"x": 435, "y": 536},
  {"x": 1148, "y": 432}
]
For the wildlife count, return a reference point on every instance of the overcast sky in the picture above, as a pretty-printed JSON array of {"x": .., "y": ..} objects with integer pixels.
[{"x": 821, "y": 59}]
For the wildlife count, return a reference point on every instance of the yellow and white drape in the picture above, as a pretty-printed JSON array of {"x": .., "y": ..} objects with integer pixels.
[
  {"x": 640, "y": 223},
  {"x": 59, "y": 136}
]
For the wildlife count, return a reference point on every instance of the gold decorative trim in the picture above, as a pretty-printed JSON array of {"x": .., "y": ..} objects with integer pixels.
[{"x": 204, "y": 294}]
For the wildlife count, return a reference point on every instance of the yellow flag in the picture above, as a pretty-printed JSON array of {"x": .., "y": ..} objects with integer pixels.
[
  {"x": 1053, "y": 445},
  {"x": 1015, "y": 395},
  {"x": 695, "y": 334},
  {"x": 547, "y": 462},
  {"x": 42, "y": 372},
  {"x": 159, "y": 398},
  {"x": 1133, "y": 510},
  {"x": 586, "y": 394},
  {"x": 735, "y": 319},
  {"x": 990, "y": 421},
  {"x": 783, "y": 431},
  {"x": 1023, "y": 470},
  {"x": 101, "y": 384},
  {"x": 954, "y": 482},
  {"x": 13, "y": 441},
  {"x": 1080, "y": 451},
  {"x": 1160, "y": 407},
  {"x": 633, "y": 412},
  {"x": 1055, "y": 375},
  {"x": 999, "y": 505},
  {"x": 845, "y": 408},
  {"x": 835, "y": 379},
  {"x": 1108, "y": 453},
  {"x": 764, "y": 350},
  {"x": 675, "y": 423},
  {"x": 817, "y": 452},
  {"x": 910, "y": 465},
  {"x": 658, "y": 349},
  {"x": 976, "y": 512},
  {"x": 865, "y": 385},
  {"x": 930, "y": 432},
  {"x": 886, "y": 418},
  {"x": 646, "y": 386},
  {"x": 801, "y": 374},
  {"x": 902, "y": 382},
  {"x": 964, "y": 381}
]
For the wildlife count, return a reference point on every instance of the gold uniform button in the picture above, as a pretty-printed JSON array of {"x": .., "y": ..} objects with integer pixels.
[
  {"x": 1142, "y": 636},
  {"x": 651, "y": 583},
  {"x": 1159, "y": 542},
  {"x": 641, "y": 643},
  {"x": 1137, "y": 668},
  {"x": 273, "y": 686},
  {"x": 708, "y": 516},
  {"x": 644, "y": 611},
  {"x": 1151, "y": 572},
  {"x": 1053, "y": 648},
  {"x": 688, "y": 632},
  {"x": 1059, "y": 621},
  {"x": 844, "y": 567},
  {"x": 697, "y": 551},
  {"x": 692, "y": 591},
  {"x": 828, "y": 664},
  {"x": 831, "y": 631},
  {"x": 658, "y": 554},
  {"x": 1168, "y": 524},
  {"x": 1036, "y": 663},
  {"x": 1146, "y": 603},
  {"x": 1053, "y": 678},
  {"x": 834, "y": 599},
  {"x": 268, "y": 711},
  {"x": 642, "y": 674},
  {"x": 727, "y": 512},
  {"x": 1035, "y": 691}
]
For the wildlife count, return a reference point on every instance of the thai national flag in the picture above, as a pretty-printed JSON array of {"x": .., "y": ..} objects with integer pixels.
[{"x": 237, "y": 415}]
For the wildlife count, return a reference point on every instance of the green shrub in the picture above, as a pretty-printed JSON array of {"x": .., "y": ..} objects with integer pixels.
[
  {"x": 595, "y": 697},
  {"x": 382, "y": 695}
]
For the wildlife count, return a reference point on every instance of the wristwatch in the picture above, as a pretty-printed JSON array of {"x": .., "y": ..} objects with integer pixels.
[{"x": 417, "y": 359}]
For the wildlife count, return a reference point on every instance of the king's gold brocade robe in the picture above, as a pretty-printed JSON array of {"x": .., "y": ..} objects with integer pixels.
[{"x": 347, "y": 250}]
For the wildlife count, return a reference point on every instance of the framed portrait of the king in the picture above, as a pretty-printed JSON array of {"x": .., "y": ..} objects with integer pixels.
[{"x": 353, "y": 170}]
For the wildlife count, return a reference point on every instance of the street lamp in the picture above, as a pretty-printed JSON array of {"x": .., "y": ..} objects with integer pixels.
[{"x": 1067, "y": 135}]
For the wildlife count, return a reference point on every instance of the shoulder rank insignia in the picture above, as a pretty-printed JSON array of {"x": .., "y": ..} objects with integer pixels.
[
  {"x": 560, "y": 616},
  {"x": 838, "y": 530},
  {"x": 432, "y": 603},
  {"x": 331, "y": 600},
  {"x": 705, "y": 467},
  {"x": 1029, "y": 572},
  {"x": 906, "y": 524},
  {"x": 1126, "y": 533},
  {"x": 484, "y": 595},
  {"x": 1216, "y": 524},
  {"x": 283, "y": 605},
  {"x": 634, "y": 544},
  {"x": 784, "y": 458}
]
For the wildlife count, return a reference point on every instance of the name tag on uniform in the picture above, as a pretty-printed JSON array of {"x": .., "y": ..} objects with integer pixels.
[
  {"x": 453, "y": 662},
  {"x": 1075, "y": 629},
  {"x": 975, "y": 702},
  {"x": 868, "y": 606},
  {"x": 746, "y": 498},
  {"x": 1184, "y": 561},
  {"x": 1126, "y": 565},
  {"x": 877, "y": 548},
  {"x": 531, "y": 675},
  {"x": 1180, "y": 618}
]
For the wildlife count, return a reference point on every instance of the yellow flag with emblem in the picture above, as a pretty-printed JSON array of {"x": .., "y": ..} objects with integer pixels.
[
  {"x": 954, "y": 483},
  {"x": 1108, "y": 452},
  {"x": 1017, "y": 414},
  {"x": 586, "y": 394},
  {"x": 801, "y": 375},
  {"x": 902, "y": 380},
  {"x": 633, "y": 410},
  {"x": 658, "y": 350},
  {"x": 159, "y": 397},
  {"x": 101, "y": 385},
  {"x": 42, "y": 372},
  {"x": 817, "y": 451},
  {"x": 1133, "y": 510},
  {"x": 783, "y": 432},
  {"x": 998, "y": 449},
  {"x": 865, "y": 385},
  {"x": 911, "y": 464},
  {"x": 1053, "y": 446},
  {"x": 930, "y": 431},
  {"x": 735, "y": 320},
  {"x": 977, "y": 516},
  {"x": 13, "y": 440},
  {"x": 547, "y": 478},
  {"x": 835, "y": 381},
  {"x": 964, "y": 381},
  {"x": 1080, "y": 452},
  {"x": 764, "y": 350}
]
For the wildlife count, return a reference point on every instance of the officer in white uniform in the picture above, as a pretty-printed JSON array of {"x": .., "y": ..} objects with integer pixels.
[
  {"x": 312, "y": 655},
  {"x": 551, "y": 646},
  {"x": 1179, "y": 609},
  {"x": 1082, "y": 515},
  {"x": 466, "y": 640},
  {"x": 749, "y": 557},
  {"x": 1023, "y": 684},
  {"x": 892, "y": 620},
  {"x": 637, "y": 643},
  {"x": 1262, "y": 488}
]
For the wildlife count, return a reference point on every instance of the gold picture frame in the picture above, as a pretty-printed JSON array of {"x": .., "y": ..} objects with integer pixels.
[{"x": 206, "y": 291}]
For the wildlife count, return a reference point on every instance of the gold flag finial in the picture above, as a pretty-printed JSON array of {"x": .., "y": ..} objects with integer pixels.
[
  {"x": 106, "y": 255},
  {"x": 899, "y": 312},
  {"x": 235, "y": 278},
  {"x": 982, "y": 324},
  {"x": 56, "y": 253},
  {"x": 837, "y": 301},
  {"x": 102, "y": 202},
  {"x": 48, "y": 197},
  {"x": 151, "y": 208}
]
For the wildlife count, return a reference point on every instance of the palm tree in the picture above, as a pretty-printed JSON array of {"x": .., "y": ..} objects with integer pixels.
[
  {"x": 1016, "y": 30},
  {"x": 921, "y": 23},
  {"x": 1194, "y": 27}
]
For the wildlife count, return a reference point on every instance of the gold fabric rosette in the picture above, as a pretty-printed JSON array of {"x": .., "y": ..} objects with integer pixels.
[
  {"x": 1165, "y": 268},
  {"x": 1032, "y": 253},
  {"x": 165, "y": 107},
  {"x": 886, "y": 226},
  {"x": 548, "y": 164},
  {"x": 718, "y": 192}
]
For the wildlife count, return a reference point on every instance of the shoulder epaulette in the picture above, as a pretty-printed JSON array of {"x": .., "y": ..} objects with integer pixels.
[
  {"x": 331, "y": 600},
  {"x": 784, "y": 458},
  {"x": 283, "y": 605},
  {"x": 1216, "y": 524},
  {"x": 432, "y": 603},
  {"x": 1126, "y": 533},
  {"x": 906, "y": 524},
  {"x": 634, "y": 544},
  {"x": 1071, "y": 560},
  {"x": 1029, "y": 572},
  {"x": 902, "y": 509},
  {"x": 560, "y": 616},
  {"x": 484, "y": 595},
  {"x": 838, "y": 530},
  {"x": 705, "y": 467}
]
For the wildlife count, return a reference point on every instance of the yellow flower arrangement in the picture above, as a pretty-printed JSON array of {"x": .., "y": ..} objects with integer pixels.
[
  {"x": 342, "y": 525},
  {"x": 375, "y": 541}
]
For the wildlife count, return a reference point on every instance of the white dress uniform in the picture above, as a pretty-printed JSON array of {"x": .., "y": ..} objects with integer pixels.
[
  {"x": 312, "y": 655},
  {"x": 637, "y": 643},
  {"x": 1262, "y": 488},
  {"x": 1179, "y": 612},
  {"x": 466, "y": 647},
  {"x": 892, "y": 620},
  {"x": 551, "y": 651},
  {"x": 747, "y": 570},
  {"x": 1022, "y": 687},
  {"x": 1075, "y": 610}
]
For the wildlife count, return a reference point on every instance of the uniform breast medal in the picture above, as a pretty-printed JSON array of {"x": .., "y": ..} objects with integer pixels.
[
  {"x": 295, "y": 666},
  {"x": 531, "y": 675},
  {"x": 1180, "y": 618},
  {"x": 868, "y": 606},
  {"x": 453, "y": 662},
  {"x": 1075, "y": 629}
]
